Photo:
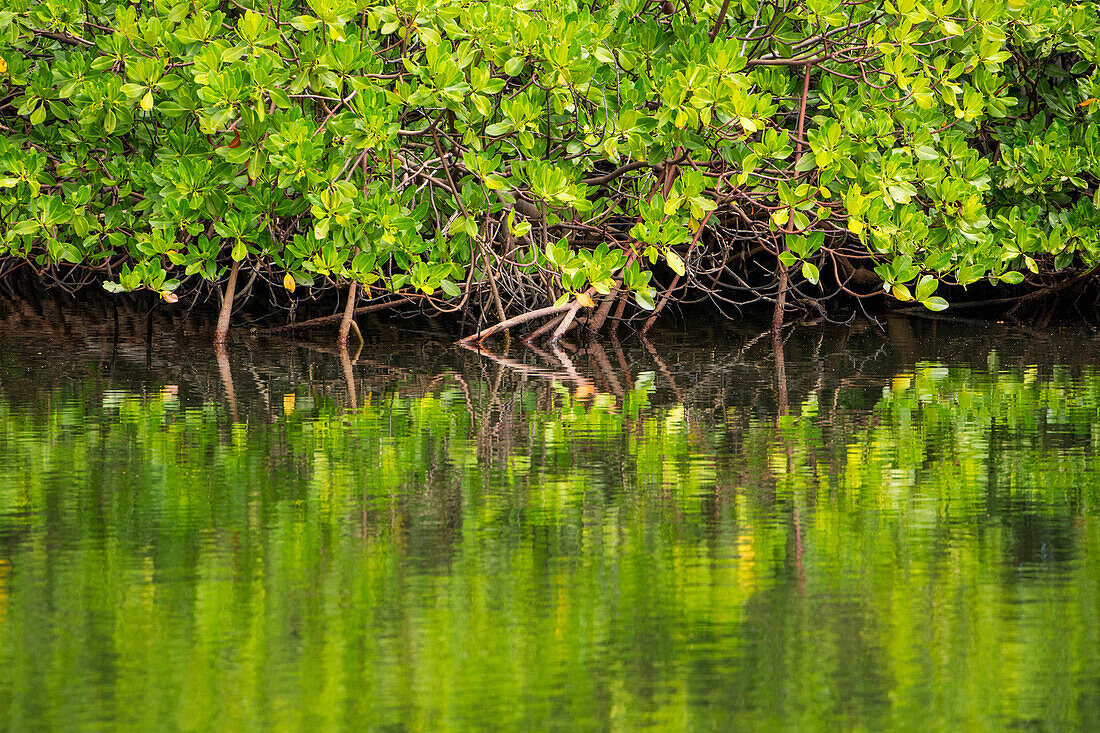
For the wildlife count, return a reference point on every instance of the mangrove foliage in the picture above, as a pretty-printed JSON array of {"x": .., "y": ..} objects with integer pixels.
[{"x": 551, "y": 162}]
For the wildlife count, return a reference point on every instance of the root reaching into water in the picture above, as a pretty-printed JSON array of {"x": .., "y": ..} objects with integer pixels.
[{"x": 222, "y": 330}]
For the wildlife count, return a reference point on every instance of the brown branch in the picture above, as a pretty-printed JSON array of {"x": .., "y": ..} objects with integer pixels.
[
  {"x": 542, "y": 330},
  {"x": 65, "y": 38},
  {"x": 621, "y": 170},
  {"x": 521, "y": 318},
  {"x": 514, "y": 321},
  {"x": 719, "y": 21},
  {"x": 348, "y": 318},
  {"x": 329, "y": 320},
  {"x": 566, "y": 322},
  {"x": 222, "y": 329}
]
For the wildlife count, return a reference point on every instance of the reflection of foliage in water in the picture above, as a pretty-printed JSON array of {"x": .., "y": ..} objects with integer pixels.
[{"x": 441, "y": 562}]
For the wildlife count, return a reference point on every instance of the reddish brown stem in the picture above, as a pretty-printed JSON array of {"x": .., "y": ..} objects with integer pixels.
[
  {"x": 542, "y": 330},
  {"x": 619, "y": 309},
  {"x": 222, "y": 329},
  {"x": 328, "y": 320},
  {"x": 780, "y": 301},
  {"x": 345, "y": 322},
  {"x": 605, "y": 307},
  {"x": 802, "y": 112}
]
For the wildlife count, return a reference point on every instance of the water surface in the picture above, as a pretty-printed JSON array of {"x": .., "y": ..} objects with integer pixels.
[{"x": 880, "y": 530}]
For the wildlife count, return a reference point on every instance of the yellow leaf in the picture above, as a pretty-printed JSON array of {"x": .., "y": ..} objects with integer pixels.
[
  {"x": 147, "y": 101},
  {"x": 169, "y": 297},
  {"x": 288, "y": 282},
  {"x": 3, "y": 66},
  {"x": 585, "y": 300}
]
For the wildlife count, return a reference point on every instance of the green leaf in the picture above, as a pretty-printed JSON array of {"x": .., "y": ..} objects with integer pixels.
[
  {"x": 429, "y": 36},
  {"x": 899, "y": 195},
  {"x": 452, "y": 290},
  {"x": 645, "y": 299},
  {"x": 279, "y": 97},
  {"x": 925, "y": 287},
  {"x": 926, "y": 152},
  {"x": 810, "y": 272},
  {"x": 305, "y": 22},
  {"x": 1011, "y": 277},
  {"x": 805, "y": 163},
  {"x": 482, "y": 105},
  {"x": 952, "y": 28},
  {"x": 935, "y": 303}
]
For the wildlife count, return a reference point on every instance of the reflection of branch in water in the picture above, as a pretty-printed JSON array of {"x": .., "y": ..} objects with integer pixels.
[
  {"x": 261, "y": 387},
  {"x": 518, "y": 366},
  {"x": 661, "y": 366},
  {"x": 492, "y": 438},
  {"x": 585, "y": 387},
  {"x": 782, "y": 408},
  {"x": 621, "y": 357},
  {"x": 495, "y": 400},
  {"x": 324, "y": 349},
  {"x": 567, "y": 373},
  {"x": 371, "y": 381},
  {"x": 603, "y": 365},
  {"x": 222, "y": 356},
  {"x": 466, "y": 396},
  {"x": 720, "y": 369}
]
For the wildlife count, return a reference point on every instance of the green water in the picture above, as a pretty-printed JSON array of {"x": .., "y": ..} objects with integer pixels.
[{"x": 879, "y": 531}]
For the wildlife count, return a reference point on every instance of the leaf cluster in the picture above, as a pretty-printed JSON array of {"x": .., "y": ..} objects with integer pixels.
[{"x": 548, "y": 149}]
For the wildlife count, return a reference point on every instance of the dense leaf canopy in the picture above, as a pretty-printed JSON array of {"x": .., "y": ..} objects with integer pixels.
[{"x": 502, "y": 156}]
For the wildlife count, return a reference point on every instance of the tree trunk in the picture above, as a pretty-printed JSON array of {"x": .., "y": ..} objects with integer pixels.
[
  {"x": 345, "y": 323},
  {"x": 222, "y": 329},
  {"x": 780, "y": 302}
]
